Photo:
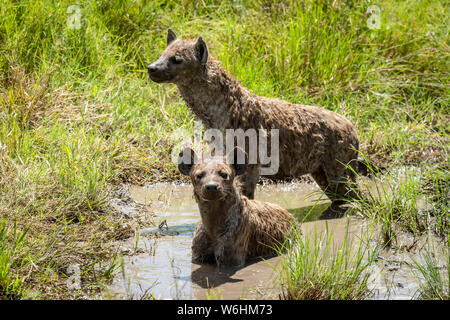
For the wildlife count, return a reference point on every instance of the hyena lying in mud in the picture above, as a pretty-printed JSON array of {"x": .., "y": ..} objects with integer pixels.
[
  {"x": 311, "y": 139},
  {"x": 232, "y": 226}
]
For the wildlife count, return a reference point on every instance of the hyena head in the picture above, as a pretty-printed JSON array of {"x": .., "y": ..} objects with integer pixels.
[
  {"x": 182, "y": 59},
  {"x": 213, "y": 177}
]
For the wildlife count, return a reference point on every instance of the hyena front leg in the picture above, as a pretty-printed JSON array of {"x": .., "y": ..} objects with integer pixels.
[
  {"x": 202, "y": 247},
  {"x": 248, "y": 181}
]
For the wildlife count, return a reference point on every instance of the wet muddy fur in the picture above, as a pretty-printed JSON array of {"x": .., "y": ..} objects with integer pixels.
[
  {"x": 311, "y": 139},
  {"x": 232, "y": 227}
]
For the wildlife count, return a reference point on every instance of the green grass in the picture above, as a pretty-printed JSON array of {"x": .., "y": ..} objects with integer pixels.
[
  {"x": 78, "y": 114},
  {"x": 408, "y": 199},
  {"x": 11, "y": 245},
  {"x": 318, "y": 267}
]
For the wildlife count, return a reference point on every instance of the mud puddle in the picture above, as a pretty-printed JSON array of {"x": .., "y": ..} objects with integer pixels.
[
  {"x": 157, "y": 263},
  {"x": 159, "y": 259}
]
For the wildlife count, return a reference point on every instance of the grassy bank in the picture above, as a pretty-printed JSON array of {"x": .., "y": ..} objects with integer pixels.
[
  {"x": 78, "y": 114},
  {"x": 318, "y": 267}
]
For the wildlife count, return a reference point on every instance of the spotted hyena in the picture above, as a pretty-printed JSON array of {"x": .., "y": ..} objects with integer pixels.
[
  {"x": 312, "y": 139},
  {"x": 232, "y": 227}
]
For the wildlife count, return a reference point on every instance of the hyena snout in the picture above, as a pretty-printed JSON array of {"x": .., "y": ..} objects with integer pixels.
[
  {"x": 158, "y": 71},
  {"x": 212, "y": 191},
  {"x": 152, "y": 68},
  {"x": 212, "y": 187}
]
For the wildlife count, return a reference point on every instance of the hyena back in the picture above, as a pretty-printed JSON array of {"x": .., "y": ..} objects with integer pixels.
[{"x": 311, "y": 139}]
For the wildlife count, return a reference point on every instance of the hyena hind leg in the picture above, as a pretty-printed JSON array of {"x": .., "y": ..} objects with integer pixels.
[
  {"x": 341, "y": 184},
  {"x": 336, "y": 185}
]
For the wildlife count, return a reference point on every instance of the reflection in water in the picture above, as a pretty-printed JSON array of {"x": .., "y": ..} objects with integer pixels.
[
  {"x": 310, "y": 213},
  {"x": 254, "y": 280},
  {"x": 168, "y": 272},
  {"x": 165, "y": 269}
]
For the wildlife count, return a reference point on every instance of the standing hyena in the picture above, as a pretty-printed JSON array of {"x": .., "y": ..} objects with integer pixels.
[{"x": 311, "y": 139}]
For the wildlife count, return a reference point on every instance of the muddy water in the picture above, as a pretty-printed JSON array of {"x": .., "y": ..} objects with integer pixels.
[{"x": 159, "y": 259}]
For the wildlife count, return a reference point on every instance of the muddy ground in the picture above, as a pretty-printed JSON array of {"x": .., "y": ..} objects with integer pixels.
[{"x": 157, "y": 260}]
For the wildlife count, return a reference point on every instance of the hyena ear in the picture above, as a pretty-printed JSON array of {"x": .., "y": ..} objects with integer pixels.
[
  {"x": 186, "y": 160},
  {"x": 201, "y": 51},
  {"x": 238, "y": 159},
  {"x": 171, "y": 36}
]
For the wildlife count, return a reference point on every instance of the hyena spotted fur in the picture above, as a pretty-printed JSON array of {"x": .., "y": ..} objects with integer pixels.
[
  {"x": 311, "y": 139},
  {"x": 232, "y": 227}
]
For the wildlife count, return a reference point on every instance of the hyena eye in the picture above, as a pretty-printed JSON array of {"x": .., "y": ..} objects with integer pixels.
[
  {"x": 199, "y": 176},
  {"x": 175, "y": 60},
  {"x": 224, "y": 175}
]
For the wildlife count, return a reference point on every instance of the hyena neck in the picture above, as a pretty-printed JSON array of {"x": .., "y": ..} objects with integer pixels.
[
  {"x": 215, "y": 97},
  {"x": 216, "y": 214}
]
